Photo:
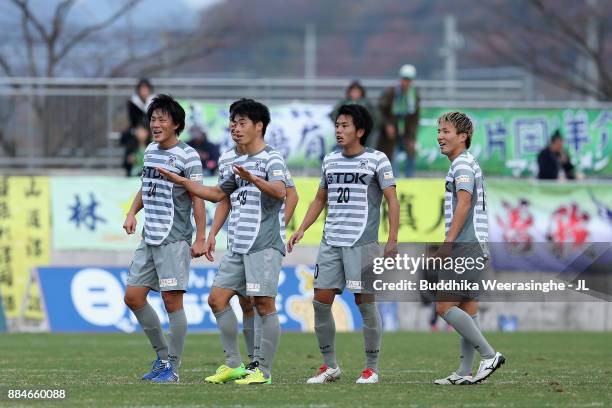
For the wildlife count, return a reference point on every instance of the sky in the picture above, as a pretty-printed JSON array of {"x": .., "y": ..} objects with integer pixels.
[
  {"x": 200, "y": 4},
  {"x": 153, "y": 12}
]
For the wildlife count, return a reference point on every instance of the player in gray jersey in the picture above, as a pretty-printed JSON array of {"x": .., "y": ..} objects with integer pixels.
[
  {"x": 256, "y": 188},
  {"x": 161, "y": 262},
  {"x": 251, "y": 322},
  {"x": 466, "y": 232},
  {"x": 353, "y": 182}
]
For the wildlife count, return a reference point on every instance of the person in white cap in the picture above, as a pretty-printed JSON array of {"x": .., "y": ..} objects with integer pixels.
[{"x": 400, "y": 111}]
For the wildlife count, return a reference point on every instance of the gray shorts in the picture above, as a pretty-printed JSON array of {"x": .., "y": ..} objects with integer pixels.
[
  {"x": 340, "y": 267},
  {"x": 464, "y": 278},
  {"x": 164, "y": 267},
  {"x": 253, "y": 274}
]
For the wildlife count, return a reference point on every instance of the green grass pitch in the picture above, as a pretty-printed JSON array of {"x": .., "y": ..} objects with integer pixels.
[{"x": 99, "y": 370}]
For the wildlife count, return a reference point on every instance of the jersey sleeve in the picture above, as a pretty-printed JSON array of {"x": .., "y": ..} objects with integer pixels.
[
  {"x": 384, "y": 173},
  {"x": 224, "y": 169},
  {"x": 323, "y": 182},
  {"x": 276, "y": 169},
  {"x": 228, "y": 183},
  {"x": 288, "y": 179},
  {"x": 193, "y": 167},
  {"x": 464, "y": 177}
]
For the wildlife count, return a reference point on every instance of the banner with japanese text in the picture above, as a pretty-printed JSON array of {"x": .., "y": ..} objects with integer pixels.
[
  {"x": 524, "y": 212},
  {"x": 24, "y": 242},
  {"x": 302, "y": 132},
  {"x": 89, "y": 212},
  {"x": 421, "y": 211},
  {"x": 505, "y": 141}
]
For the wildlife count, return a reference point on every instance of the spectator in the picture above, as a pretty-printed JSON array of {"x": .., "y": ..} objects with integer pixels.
[
  {"x": 356, "y": 94},
  {"x": 135, "y": 157},
  {"x": 553, "y": 158},
  {"x": 400, "y": 110},
  {"x": 209, "y": 152},
  {"x": 137, "y": 114},
  {"x": 139, "y": 103}
]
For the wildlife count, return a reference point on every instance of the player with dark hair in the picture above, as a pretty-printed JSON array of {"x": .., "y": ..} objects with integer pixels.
[
  {"x": 251, "y": 321},
  {"x": 161, "y": 262},
  {"x": 256, "y": 187},
  {"x": 353, "y": 182}
]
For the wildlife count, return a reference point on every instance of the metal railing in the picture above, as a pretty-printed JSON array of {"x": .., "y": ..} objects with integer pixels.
[{"x": 74, "y": 122}]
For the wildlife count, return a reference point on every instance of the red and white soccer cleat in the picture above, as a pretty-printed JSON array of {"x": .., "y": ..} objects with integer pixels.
[
  {"x": 326, "y": 374},
  {"x": 368, "y": 376}
]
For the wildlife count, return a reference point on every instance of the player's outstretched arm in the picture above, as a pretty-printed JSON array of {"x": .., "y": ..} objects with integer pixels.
[
  {"x": 291, "y": 201},
  {"x": 130, "y": 220},
  {"x": 221, "y": 213},
  {"x": 210, "y": 193},
  {"x": 275, "y": 189},
  {"x": 390, "y": 194},
  {"x": 313, "y": 212}
]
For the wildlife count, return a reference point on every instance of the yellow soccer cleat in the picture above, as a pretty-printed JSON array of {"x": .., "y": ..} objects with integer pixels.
[
  {"x": 225, "y": 374},
  {"x": 256, "y": 377}
]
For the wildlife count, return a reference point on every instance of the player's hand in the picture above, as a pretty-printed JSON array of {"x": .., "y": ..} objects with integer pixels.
[
  {"x": 209, "y": 248},
  {"x": 295, "y": 238},
  {"x": 390, "y": 249},
  {"x": 170, "y": 176},
  {"x": 198, "y": 247},
  {"x": 130, "y": 224},
  {"x": 244, "y": 174}
]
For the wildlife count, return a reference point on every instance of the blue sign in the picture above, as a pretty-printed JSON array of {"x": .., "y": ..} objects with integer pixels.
[{"x": 90, "y": 299}]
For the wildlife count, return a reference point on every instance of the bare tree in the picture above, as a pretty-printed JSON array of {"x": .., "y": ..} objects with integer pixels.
[
  {"x": 559, "y": 41},
  {"x": 56, "y": 45},
  {"x": 55, "y": 38},
  {"x": 59, "y": 38}
]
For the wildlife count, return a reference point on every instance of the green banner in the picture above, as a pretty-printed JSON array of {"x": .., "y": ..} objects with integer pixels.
[
  {"x": 507, "y": 141},
  {"x": 303, "y": 133}
]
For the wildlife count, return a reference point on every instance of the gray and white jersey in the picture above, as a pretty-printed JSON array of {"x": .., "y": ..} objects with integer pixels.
[
  {"x": 254, "y": 222},
  {"x": 167, "y": 207},
  {"x": 354, "y": 193},
  {"x": 225, "y": 164},
  {"x": 465, "y": 174},
  {"x": 225, "y": 170}
]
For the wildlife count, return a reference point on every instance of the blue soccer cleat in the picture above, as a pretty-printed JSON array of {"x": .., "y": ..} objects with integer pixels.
[
  {"x": 157, "y": 367},
  {"x": 167, "y": 375}
]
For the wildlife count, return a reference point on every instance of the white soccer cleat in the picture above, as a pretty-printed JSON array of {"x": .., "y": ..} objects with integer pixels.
[
  {"x": 368, "y": 376},
  {"x": 454, "y": 379},
  {"x": 488, "y": 367},
  {"x": 326, "y": 374}
]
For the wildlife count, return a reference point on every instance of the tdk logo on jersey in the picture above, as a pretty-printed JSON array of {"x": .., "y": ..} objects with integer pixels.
[
  {"x": 151, "y": 172},
  {"x": 346, "y": 178}
]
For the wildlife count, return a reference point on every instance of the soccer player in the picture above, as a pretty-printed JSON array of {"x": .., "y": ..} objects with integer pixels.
[
  {"x": 161, "y": 262},
  {"x": 353, "y": 182},
  {"x": 256, "y": 188},
  {"x": 251, "y": 322},
  {"x": 466, "y": 222}
]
